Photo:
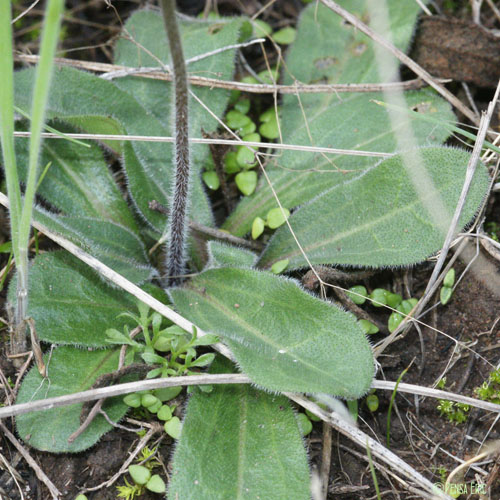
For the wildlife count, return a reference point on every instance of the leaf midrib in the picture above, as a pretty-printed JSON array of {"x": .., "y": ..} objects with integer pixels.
[
  {"x": 266, "y": 340},
  {"x": 357, "y": 228}
]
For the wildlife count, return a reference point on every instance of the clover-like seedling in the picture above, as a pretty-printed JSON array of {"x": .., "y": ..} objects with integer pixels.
[
  {"x": 447, "y": 289},
  {"x": 404, "y": 308},
  {"x": 211, "y": 179},
  {"x": 269, "y": 124},
  {"x": 449, "y": 279},
  {"x": 173, "y": 351},
  {"x": 368, "y": 327},
  {"x": 173, "y": 427},
  {"x": 395, "y": 320},
  {"x": 305, "y": 425},
  {"x": 285, "y": 36},
  {"x": 236, "y": 120},
  {"x": 140, "y": 474},
  {"x": 230, "y": 164},
  {"x": 379, "y": 297},
  {"x": 142, "y": 477},
  {"x": 164, "y": 413},
  {"x": 393, "y": 299},
  {"x": 154, "y": 402},
  {"x": 258, "y": 226},
  {"x": 407, "y": 305},
  {"x": 275, "y": 218},
  {"x": 242, "y": 105},
  {"x": 245, "y": 157},
  {"x": 156, "y": 484},
  {"x": 372, "y": 402},
  {"x": 445, "y": 295},
  {"x": 246, "y": 182},
  {"x": 279, "y": 266},
  {"x": 261, "y": 28},
  {"x": 133, "y": 400},
  {"x": 358, "y": 294},
  {"x": 313, "y": 417}
]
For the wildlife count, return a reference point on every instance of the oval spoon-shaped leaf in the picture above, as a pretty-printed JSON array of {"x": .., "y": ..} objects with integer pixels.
[
  {"x": 282, "y": 337},
  {"x": 379, "y": 219},
  {"x": 70, "y": 370},
  {"x": 259, "y": 453},
  {"x": 329, "y": 50},
  {"x": 70, "y": 303}
]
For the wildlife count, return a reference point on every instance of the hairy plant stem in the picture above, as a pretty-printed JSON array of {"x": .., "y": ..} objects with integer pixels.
[{"x": 178, "y": 212}]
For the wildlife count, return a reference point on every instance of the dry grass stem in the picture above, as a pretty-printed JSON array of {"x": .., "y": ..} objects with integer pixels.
[{"x": 254, "y": 88}]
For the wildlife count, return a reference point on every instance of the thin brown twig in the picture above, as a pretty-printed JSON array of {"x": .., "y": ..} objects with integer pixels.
[
  {"x": 211, "y": 232},
  {"x": 9, "y": 392},
  {"x": 363, "y": 440},
  {"x": 94, "y": 411},
  {"x": 436, "y": 394},
  {"x": 14, "y": 474},
  {"x": 20, "y": 16},
  {"x": 254, "y": 88},
  {"x": 326, "y": 459},
  {"x": 22, "y": 371},
  {"x": 88, "y": 413},
  {"x": 494, "y": 8}
]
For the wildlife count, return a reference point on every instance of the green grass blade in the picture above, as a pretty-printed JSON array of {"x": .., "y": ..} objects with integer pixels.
[
  {"x": 53, "y": 130},
  {"x": 7, "y": 120},
  {"x": 372, "y": 470},
  {"x": 389, "y": 411},
  {"x": 50, "y": 36}
]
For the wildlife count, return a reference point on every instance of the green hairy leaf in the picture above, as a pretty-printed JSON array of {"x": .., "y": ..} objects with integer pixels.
[
  {"x": 199, "y": 37},
  {"x": 221, "y": 255},
  {"x": 380, "y": 219},
  {"x": 114, "y": 245},
  {"x": 141, "y": 108},
  {"x": 247, "y": 444},
  {"x": 324, "y": 37},
  {"x": 329, "y": 50},
  {"x": 70, "y": 303},
  {"x": 69, "y": 370},
  {"x": 282, "y": 337},
  {"x": 77, "y": 95},
  {"x": 78, "y": 181},
  {"x": 156, "y": 97}
]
